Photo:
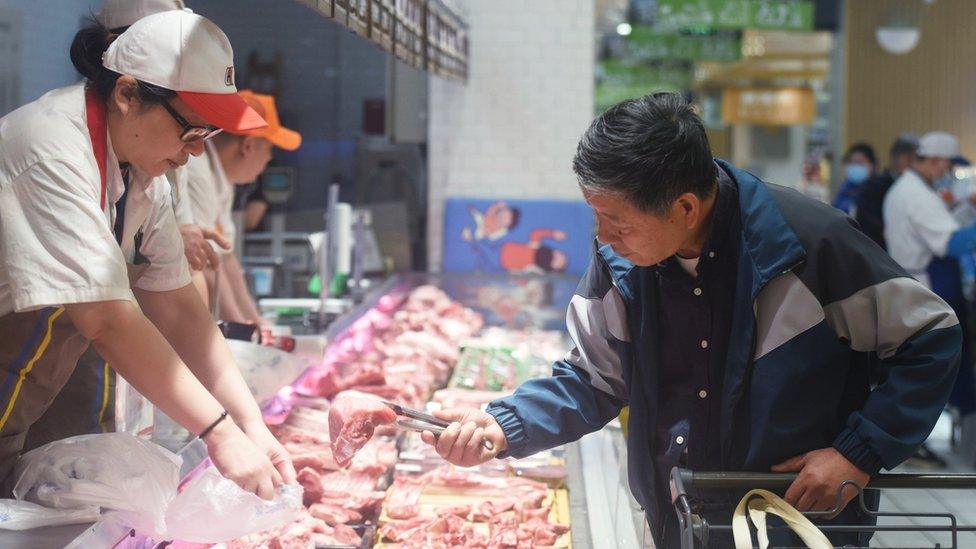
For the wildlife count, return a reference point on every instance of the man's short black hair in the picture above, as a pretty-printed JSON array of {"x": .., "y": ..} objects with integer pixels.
[{"x": 651, "y": 150}]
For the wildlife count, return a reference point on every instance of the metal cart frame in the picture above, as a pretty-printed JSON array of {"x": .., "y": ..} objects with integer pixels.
[{"x": 694, "y": 529}]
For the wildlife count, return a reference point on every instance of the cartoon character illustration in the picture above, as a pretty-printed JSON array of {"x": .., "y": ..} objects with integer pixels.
[
  {"x": 496, "y": 221},
  {"x": 534, "y": 256}
]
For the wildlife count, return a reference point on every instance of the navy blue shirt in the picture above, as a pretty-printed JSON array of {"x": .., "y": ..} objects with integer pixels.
[{"x": 695, "y": 324}]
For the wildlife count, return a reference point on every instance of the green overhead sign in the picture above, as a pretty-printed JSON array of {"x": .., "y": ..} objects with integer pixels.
[
  {"x": 619, "y": 80},
  {"x": 734, "y": 14},
  {"x": 647, "y": 44}
]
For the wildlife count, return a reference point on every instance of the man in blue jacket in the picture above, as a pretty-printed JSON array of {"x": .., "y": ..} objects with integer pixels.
[{"x": 747, "y": 327}]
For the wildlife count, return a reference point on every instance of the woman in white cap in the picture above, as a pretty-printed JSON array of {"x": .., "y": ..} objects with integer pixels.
[
  {"x": 90, "y": 252},
  {"x": 89, "y": 400},
  {"x": 117, "y": 16}
]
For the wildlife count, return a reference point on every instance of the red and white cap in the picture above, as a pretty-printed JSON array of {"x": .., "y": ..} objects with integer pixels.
[{"x": 187, "y": 53}]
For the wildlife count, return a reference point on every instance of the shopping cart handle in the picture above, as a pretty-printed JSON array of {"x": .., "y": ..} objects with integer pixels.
[{"x": 683, "y": 480}]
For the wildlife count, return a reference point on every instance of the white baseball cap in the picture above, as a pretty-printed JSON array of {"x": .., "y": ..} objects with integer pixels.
[
  {"x": 116, "y": 14},
  {"x": 184, "y": 52},
  {"x": 938, "y": 145}
]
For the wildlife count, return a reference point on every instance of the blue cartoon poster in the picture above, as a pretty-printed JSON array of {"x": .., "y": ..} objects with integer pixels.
[{"x": 517, "y": 236}]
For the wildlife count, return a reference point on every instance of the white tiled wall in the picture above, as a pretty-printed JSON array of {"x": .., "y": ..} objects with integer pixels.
[{"x": 511, "y": 131}]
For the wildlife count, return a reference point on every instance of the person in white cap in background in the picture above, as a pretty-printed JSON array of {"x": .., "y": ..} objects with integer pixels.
[
  {"x": 924, "y": 237},
  {"x": 118, "y": 15},
  {"x": 89, "y": 245}
]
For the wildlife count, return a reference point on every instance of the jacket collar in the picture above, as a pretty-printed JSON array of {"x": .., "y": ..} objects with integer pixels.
[{"x": 768, "y": 241}]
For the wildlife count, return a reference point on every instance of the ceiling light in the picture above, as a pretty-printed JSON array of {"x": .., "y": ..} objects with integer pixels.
[{"x": 897, "y": 40}]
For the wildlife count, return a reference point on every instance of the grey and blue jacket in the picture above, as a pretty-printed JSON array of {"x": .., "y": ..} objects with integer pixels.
[{"x": 832, "y": 344}]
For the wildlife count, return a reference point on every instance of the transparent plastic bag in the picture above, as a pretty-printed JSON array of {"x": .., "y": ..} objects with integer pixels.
[
  {"x": 213, "y": 509},
  {"x": 24, "y": 515},
  {"x": 133, "y": 478},
  {"x": 134, "y": 482}
]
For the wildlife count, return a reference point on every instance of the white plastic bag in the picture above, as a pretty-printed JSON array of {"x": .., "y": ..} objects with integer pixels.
[
  {"x": 133, "y": 478},
  {"x": 24, "y": 515},
  {"x": 213, "y": 509},
  {"x": 134, "y": 482},
  {"x": 761, "y": 502}
]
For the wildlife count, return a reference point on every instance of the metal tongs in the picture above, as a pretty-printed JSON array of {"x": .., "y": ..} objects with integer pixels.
[{"x": 420, "y": 421}]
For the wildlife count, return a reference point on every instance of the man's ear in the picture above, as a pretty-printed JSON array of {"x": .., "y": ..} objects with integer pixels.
[{"x": 688, "y": 208}]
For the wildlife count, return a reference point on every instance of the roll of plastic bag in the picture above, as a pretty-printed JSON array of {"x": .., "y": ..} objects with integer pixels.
[
  {"x": 213, "y": 509},
  {"x": 24, "y": 515}
]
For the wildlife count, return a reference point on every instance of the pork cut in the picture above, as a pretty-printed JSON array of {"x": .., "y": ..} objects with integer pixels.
[
  {"x": 304, "y": 532},
  {"x": 352, "y": 420},
  {"x": 334, "y": 514}
]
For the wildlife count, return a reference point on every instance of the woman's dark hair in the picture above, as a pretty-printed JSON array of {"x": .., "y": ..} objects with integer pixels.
[
  {"x": 864, "y": 149},
  {"x": 86, "y": 52},
  {"x": 651, "y": 150}
]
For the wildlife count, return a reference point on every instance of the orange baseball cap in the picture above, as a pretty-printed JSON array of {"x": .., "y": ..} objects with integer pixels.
[{"x": 278, "y": 135}]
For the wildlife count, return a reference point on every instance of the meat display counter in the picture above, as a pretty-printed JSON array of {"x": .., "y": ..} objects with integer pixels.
[
  {"x": 599, "y": 503},
  {"x": 587, "y": 486},
  {"x": 601, "y": 506}
]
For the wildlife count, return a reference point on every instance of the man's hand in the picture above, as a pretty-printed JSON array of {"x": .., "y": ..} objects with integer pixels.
[
  {"x": 821, "y": 472},
  {"x": 199, "y": 252},
  {"x": 461, "y": 442}
]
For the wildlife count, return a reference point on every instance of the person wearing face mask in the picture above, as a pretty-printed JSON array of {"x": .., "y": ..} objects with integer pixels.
[
  {"x": 746, "y": 326},
  {"x": 925, "y": 238},
  {"x": 233, "y": 158},
  {"x": 91, "y": 251},
  {"x": 860, "y": 164}
]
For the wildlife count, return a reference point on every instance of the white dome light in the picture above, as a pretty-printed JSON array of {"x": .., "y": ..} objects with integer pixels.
[{"x": 897, "y": 40}]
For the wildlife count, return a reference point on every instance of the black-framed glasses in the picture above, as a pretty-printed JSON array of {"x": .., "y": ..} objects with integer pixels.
[{"x": 190, "y": 133}]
